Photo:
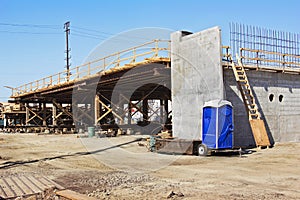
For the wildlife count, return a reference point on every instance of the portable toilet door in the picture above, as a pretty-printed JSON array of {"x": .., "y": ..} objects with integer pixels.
[{"x": 217, "y": 125}]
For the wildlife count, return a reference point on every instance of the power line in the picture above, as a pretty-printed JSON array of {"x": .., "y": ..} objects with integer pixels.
[
  {"x": 101, "y": 33},
  {"x": 28, "y": 32},
  {"x": 91, "y": 30},
  {"x": 31, "y": 25},
  {"x": 87, "y": 36}
]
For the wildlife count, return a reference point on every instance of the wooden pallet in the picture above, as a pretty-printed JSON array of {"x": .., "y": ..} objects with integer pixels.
[
  {"x": 23, "y": 186},
  {"x": 257, "y": 124}
]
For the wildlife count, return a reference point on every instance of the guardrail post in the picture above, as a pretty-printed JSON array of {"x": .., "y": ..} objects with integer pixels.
[
  {"x": 283, "y": 62},
  {"x": 169, "y": 49},
  {"x": 134, "y": 55},
  {"x": 156, "y": 48},
  {"x": 257, "y": 61},
  {"x": 77, "y": 72},
  {"x": 104, "y": 63},
  {"x": 58, "y": 81},
  {"x": 118, "y": 60},
  {"x": 241, "y": 54}
]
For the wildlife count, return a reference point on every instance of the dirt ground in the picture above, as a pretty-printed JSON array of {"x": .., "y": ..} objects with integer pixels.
[{"x": 120, "y": 168}]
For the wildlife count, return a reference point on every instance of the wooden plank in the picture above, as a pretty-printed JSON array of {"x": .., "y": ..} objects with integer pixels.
[
  {"x": 23, "y": 186},
  {"x": 15, "y": 187},
  {"x": 8, "y": 192},
  {"x": 72, "y": 195},
  {"x": 50, "y": 183},
  {"x": 42, "y": 184},
  {"x": 3, "y": 193},
  {"x": 259, "y": 132},
  {"x": 35, "y": 189}
]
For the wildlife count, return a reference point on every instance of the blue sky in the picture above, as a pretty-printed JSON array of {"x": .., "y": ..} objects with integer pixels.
[{"x": 28, "y": 52}]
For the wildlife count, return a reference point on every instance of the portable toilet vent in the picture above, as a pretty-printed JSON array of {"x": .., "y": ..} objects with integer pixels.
[{"x": 217, "y": 125}]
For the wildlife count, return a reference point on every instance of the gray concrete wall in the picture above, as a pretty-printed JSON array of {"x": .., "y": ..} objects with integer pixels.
[
  {"x": 282, "y": 119},
  {"x": 197, "y": 77}
]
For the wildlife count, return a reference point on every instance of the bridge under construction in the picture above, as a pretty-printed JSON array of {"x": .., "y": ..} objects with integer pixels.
[{"x": 163, "y": 85}]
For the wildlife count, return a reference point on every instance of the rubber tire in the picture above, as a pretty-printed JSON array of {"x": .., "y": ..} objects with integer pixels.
[{"x": 202, "y": 150}]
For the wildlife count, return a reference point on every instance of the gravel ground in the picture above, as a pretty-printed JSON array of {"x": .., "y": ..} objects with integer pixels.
[{"x": 265, "y": 174}]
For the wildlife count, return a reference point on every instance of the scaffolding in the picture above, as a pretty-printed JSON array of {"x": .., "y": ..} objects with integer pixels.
[{"x": 84, "y": 98}]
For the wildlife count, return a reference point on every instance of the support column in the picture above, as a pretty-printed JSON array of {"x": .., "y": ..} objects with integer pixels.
[
  {"x": 54, "y": 115},
  {"x": 162, "y": 113},
  {"x": 44, "y": 114},
  {"x": 27, "y": 113},
  {"x": 4, "y": 121},
  {"x": 129, "y": 113},
  {"x": 145, "y": 110},
  {"x": 166, "y": 106},
  {"x": 97, "y": 109}
]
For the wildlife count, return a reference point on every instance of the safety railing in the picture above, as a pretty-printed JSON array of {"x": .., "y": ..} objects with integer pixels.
[
  {"x": 269, "y": 58},
  {"x": 262, "y": 58},
  {"x": 152, "y": 49}
]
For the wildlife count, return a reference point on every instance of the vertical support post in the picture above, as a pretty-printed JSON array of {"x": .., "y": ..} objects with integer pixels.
[
  {"x": 118, "y": 60},
  {"x": 44, "y": 114},
  {"x": 97, "y": 109},
  {"x": 161, "y": 109},
  {"x": 27, "y": 113},
  {"x": 145, "y": 110},
  {"x": 54, "y": 115},
  {"x": 166, "y": 104},
  {"x": 129, "y": 113},
  {"x": 4, "y": 121},
  {"x": 156, "y": 48},
  {"x": 283, "y": 62},
  {"x": 257, "y": 62}
]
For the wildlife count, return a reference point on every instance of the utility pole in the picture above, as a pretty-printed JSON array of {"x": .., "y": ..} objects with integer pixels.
[{"x": 67, "y": 30}]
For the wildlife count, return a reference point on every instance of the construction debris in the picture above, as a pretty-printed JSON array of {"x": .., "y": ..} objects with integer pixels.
[{"x": 172, "y": 194}]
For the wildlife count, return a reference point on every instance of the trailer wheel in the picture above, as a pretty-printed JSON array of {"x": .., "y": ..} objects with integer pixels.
[{"x": 202, "y": 150}]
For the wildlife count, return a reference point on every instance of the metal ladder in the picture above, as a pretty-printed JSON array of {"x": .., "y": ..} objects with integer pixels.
[{"x": 257, "y": 124}]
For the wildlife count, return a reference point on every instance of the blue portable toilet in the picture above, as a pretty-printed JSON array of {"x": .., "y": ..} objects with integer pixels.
[{"x": 217, "y": 125}]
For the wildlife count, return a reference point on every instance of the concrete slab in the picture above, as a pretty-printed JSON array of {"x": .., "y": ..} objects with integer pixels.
[{"x": 197, "y": 77}]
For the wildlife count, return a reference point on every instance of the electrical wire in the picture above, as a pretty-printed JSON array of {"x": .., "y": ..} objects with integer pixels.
[
  {"x": 33, "y": 33},
  {"x": 91, "y": 30},
  {"x": 76, "y": 31},
  {"x": 105, "y": 34},
  {"x": 16, "y": 29},
  {"x": 87, "y": 36},
  {"x": 31, "y": 25}
]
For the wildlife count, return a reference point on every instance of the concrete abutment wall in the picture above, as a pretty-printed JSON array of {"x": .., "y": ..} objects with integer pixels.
[
  {"x": 277, "y": 96},
  {"x": 197, "y": 77}
]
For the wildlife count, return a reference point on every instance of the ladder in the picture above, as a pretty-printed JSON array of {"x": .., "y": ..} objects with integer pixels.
[{"x": 257, "y": 124}]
